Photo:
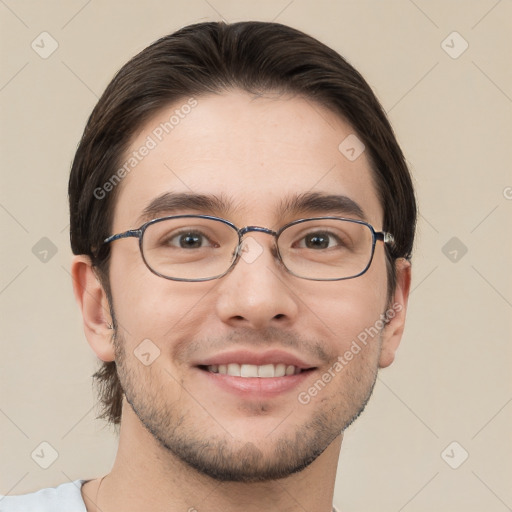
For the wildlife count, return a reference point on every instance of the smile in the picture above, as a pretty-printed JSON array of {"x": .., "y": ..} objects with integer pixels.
[{"x": 251, "y": 370}]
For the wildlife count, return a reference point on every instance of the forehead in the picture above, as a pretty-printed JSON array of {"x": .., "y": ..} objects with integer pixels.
[{"x": 255, "y": 153}]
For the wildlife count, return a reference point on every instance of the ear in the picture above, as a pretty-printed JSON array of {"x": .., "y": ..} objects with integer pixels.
[
  {"x": 93, "y": 303},
  {"x": 392, "y": 333}
]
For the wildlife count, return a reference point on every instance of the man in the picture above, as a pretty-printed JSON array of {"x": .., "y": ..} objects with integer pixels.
[{"x": 243, "y": 219}]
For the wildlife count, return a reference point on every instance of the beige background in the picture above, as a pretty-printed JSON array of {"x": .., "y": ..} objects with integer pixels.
[{"x": 451, "y": 381}]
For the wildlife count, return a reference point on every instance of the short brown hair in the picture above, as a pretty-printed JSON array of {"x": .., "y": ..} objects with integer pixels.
[{"x": 213, "y": 57}]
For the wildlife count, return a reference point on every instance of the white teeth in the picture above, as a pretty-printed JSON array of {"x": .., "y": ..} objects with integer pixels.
[
  {"x": 252, "y": 370},
  {"x": 266, "y": 370},
  {"x": 248, "y": 370},
  {"x": 234, "y": 369},
  {"x": 280, "y": 370}
]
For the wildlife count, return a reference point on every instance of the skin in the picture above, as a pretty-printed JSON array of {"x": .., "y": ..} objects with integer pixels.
[{"x": 254, "y": 151}]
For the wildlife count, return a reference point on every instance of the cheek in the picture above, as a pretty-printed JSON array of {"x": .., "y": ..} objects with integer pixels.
[
  {"x": 150, "y": 307},
  {"x": 138, "y": 295},
  {"x": 357, "y": 320},
  {"x": 351, "y": 310},
  {"x": 348, "y": 313}
]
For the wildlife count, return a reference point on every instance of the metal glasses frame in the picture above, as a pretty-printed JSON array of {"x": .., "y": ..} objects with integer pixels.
[{"x": 386, "y": 238}]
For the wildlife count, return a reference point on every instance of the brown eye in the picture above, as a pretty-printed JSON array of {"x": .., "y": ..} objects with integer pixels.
[
  {"x": 317, "y": 241},
  {"x": 188, "y": 240}
]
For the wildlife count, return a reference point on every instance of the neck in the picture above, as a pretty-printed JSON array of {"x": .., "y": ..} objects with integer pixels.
[{"x": 146, "y": 476}]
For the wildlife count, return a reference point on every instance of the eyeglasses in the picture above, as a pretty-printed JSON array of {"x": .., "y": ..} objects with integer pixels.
[{"x": 202, "y": 247}]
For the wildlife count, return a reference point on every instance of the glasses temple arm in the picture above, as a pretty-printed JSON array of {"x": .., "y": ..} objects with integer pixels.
[{"x": 132, "y": 232}]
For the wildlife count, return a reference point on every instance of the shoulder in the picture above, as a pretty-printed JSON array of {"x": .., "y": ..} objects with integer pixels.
[{"x": 63, "y": 498}]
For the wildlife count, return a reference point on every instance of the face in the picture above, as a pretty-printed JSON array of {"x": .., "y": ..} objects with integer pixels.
[{"x": 255, "y": 154}]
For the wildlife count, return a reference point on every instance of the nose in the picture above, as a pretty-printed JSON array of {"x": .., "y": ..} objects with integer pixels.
[{"x": 257, "y": 293}]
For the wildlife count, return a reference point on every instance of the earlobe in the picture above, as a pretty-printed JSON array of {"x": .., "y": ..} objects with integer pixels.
[
  {"x": 93, "y": 303},
  {"x": 392, "y": 333}
]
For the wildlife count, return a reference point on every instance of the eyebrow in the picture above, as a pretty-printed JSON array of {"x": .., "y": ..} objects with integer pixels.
[
  {"x": 318, "y": 203},
  {"x": 170, "y": 202},
  {"x": 311, "y": 203}
]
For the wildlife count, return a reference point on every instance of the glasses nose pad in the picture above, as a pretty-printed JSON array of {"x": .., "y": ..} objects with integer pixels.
[{"x": 237, "y": 251}]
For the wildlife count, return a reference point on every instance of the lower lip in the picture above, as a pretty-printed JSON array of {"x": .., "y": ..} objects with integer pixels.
[{"x": 256, "y": 386}]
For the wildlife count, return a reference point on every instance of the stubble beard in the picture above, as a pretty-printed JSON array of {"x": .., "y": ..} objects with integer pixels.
[{"x": 215, "y": 452}]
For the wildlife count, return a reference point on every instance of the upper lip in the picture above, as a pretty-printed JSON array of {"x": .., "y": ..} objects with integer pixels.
[{"x": 274, "y": 356}]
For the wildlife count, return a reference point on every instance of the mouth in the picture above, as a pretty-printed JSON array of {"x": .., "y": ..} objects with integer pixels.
[
  {"x": 264, "y": 371},
  {"x": 256, "y": 375}
]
